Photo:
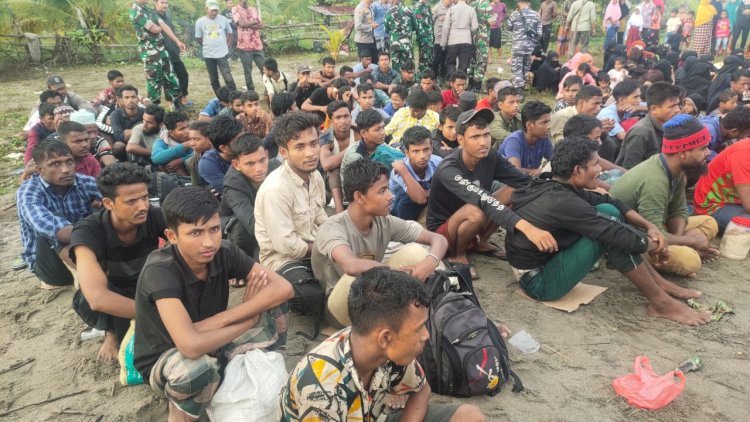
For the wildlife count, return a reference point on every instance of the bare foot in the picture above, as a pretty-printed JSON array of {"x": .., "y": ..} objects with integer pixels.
[
  {"x": 677, "y": 291},
  {"x": 678, "y": 312},
  {"x": 709, "y": 255},
  {"x": 108, "y": 351}
]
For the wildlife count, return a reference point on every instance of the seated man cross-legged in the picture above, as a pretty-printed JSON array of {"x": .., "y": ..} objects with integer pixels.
[
  {"x": 656, "y": 188},
  {"x": 586, "y": 225},
  {"x": 462, "y": 206},
  {"x": 49, "y": 204},
  {"x": 110, "y": 247},
  {"x": 369, "y": 371},
  {"x": 356, "y": 240},
  {"x": 184, "y": 333}
]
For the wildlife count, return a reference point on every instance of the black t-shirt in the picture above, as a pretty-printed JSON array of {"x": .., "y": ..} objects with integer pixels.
[
  {"x": 166, "y": 275},
  {"x": 453, "y": 185},
  {"x": 302, "y": 93},
  {"x": 320, "y": 97},
  {"x": 121, "y": 263}
]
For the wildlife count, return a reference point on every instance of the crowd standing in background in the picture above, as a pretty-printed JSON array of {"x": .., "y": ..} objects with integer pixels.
[{"x": 361, "y": 182}]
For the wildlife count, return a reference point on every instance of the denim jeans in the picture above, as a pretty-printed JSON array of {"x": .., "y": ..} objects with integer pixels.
[
  {"x": 725, "y": 214},
  {"x": 214, "y": 66},
  {"x": 247, "y": 58}
]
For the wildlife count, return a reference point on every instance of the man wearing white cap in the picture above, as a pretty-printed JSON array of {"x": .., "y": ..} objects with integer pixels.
[
  {"x": 214, "y": 34},
  {"x": 98, "y": 146}
]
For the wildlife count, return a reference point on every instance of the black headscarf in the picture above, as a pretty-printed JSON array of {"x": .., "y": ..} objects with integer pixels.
[
  {"x": 722, "y": 80},
  {"x": 666, "y": 69},
  {"x": 673, "y": 58},
  {"x": 620, "y": 51},
  {"x": 697, "y": 76},
  {"x": 547, "y": 76}
]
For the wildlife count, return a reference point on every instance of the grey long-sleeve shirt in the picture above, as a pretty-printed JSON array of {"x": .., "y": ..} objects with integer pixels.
[{"x": 460, "y": 22}]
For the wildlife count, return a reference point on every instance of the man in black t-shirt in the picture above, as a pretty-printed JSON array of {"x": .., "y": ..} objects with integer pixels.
[
  {"x": 461, "y": 206},
  {"x": 184, "y": 332},
  {"x": 305, "y": 85},
  {"x": 109, "y": 248},
  {"x": 321, "y": 97}
]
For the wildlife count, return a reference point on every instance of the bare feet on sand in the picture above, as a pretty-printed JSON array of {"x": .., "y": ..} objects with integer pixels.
[
  {"x": 678, "y": 312},
  {"x": 677, "y": 291},
  {"x": 109, "y": 349}
]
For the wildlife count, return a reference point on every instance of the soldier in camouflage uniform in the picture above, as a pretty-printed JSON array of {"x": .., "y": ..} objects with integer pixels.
[
  {"x": 481, "y": 44},
  {"x": 425, "y": 34},
  {"x": 148, "y": 28},
  {"x": 526, "y": 27},
  {"x": 399, "y": 24}
]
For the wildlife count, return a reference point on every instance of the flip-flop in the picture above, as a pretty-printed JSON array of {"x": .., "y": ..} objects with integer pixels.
[
  {"x": 18, "y": 264},
  {"x": 498, "y": 252}
]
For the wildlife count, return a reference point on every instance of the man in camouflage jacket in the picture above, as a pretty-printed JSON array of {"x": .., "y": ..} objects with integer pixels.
[
  {"x": 159, "y": 74},
  {"x": 399, "y": 24},
  {"x": 481, "y": 40},
  {"x": 425, "y": 34}
]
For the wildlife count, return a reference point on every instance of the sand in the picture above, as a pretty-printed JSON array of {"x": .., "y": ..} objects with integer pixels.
[{"x": 568, "y": 379}]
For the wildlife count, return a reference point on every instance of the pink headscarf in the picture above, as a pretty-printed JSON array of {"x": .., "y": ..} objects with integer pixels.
[
  {"x": 579, "y": 58},
  {"x": 612, "y": 13}
]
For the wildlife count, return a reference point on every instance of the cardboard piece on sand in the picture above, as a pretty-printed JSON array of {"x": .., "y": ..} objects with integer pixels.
[{"x": 581, "y": 294}]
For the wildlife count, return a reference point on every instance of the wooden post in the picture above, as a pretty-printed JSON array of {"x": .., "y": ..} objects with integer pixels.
[{"x": 34, "y": 44}]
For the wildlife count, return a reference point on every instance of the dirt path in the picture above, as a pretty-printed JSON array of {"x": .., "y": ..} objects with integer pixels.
[{"x": 568, "y": 379}]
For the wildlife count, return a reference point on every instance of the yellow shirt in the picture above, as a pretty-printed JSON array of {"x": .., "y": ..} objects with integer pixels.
[{"x": 403, "y": 120}]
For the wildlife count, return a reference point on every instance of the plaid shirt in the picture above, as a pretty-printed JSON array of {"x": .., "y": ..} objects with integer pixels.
[{"x": 43, "y": 211}]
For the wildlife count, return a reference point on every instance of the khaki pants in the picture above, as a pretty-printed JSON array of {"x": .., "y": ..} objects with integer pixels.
[
  {"x": 684, "y": 260},
  {"x": 338, "y": 300}
]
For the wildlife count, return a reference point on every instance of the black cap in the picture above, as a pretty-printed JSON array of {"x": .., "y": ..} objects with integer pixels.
[
  {"x": 467, "y": 100},
  {"x": 55, "y": 82},
  {"x": 467, "y": 116}
]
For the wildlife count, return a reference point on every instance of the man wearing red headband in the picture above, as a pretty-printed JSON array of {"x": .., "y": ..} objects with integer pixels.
[{"x": 655, "y": 188}]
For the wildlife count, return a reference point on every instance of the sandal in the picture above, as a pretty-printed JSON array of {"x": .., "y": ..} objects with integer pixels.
[
  {"x": 498, "y": 252},
  {"x": 233, "y": 282}
]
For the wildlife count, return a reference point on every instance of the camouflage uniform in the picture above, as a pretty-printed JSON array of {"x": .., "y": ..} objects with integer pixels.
[
  {"x": 481, "y": 42},
  {"x": 425, "y": 35},
  {"x": 521, "y": 22},
  {"x": 399, "y": 24},
  {"x": 154, "y": 55}
]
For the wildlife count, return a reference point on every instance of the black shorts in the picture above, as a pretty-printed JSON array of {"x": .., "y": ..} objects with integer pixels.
[{"x": 496, "y": 37}]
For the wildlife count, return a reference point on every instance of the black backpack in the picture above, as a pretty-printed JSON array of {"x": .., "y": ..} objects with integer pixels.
[{"x": 466, "y": 355}]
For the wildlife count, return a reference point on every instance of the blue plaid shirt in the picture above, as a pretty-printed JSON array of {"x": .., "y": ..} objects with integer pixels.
[{"x": 43, "y": 211}]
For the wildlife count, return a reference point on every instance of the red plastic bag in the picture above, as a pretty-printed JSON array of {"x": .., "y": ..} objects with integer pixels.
[{"x": 646, "y": 389}]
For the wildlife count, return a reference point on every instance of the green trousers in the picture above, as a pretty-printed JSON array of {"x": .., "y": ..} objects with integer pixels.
[{"x": 568, "y": 267}]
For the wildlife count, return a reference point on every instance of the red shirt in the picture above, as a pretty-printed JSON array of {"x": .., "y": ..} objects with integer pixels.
[
  {"x": 89, "y": 166},
  {"x": 731, "y": 168},
  {"x": 449, "y": 98},
  {"x": 483, "y": 103}
]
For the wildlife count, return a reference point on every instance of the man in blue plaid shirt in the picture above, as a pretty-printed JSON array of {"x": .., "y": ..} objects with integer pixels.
[{"x": 49, "y": 203}]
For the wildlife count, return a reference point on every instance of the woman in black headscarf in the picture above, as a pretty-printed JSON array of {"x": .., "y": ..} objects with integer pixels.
[
  {"x": 547, "y": 76},
  {"x": 722, "y": 80},
  {"x": 620, "y": 51},
  {"x": 697, "y": 76},
  {"x": 679, "y": 74},
  {"x": 673, "y": 58},
  {"x": 666, "y": 69}
]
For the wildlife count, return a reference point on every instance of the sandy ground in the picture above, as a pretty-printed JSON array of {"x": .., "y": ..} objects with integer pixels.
[{"x": 568, "y": 379}]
